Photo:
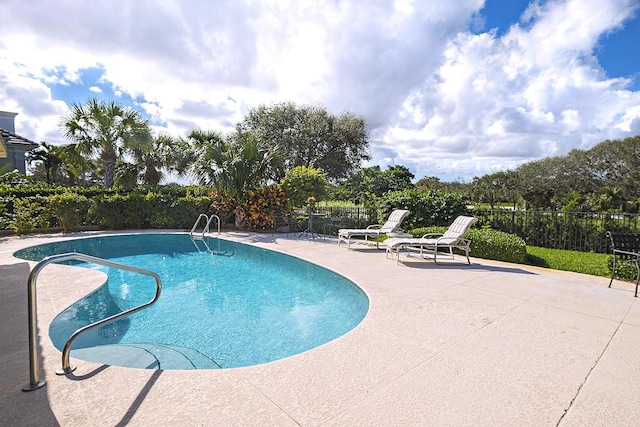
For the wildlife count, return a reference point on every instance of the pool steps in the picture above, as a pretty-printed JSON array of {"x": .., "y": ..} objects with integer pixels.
[{"x": 146, "y": 356}]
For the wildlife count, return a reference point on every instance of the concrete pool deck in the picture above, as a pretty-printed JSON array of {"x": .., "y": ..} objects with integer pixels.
[{"x": 450, "y": 344}]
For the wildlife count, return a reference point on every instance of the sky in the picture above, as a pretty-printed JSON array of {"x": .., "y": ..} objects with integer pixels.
[{"x": 456, "y": 89}]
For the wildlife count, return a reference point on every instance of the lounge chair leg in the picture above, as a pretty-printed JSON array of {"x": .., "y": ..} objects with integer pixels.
[
  {"x": 613, "y": 271},
  {"x": 637, "y": 276}
]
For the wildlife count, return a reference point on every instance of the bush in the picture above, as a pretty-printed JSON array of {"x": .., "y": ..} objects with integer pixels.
[
  {"x": 223, "y": 205},
  {"x": 259, "y": 208},
  {"x": 426, "y": 209},
  {"x": 29, "y": 214},
  {"x": 303, "y": 182},
  {"x": 70, "y": 209},
  {"x": 186, "y": 210},
  {"x": 487, "y": 243},
  {"x": 625, "y": 270}
]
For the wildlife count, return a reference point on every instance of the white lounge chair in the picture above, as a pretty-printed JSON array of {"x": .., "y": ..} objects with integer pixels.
[
  {"x": 431, "y": 245},
  {"x": 392, "y": 225}
]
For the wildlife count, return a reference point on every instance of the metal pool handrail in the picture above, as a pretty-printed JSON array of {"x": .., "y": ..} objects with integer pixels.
[
  {"x": 34, "y": 370},
  {"x": 208, "y": 223}
]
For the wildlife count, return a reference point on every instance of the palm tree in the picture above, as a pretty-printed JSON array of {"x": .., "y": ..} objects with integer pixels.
[
  {"x": 198, "y": 147},
  {"x": 51, "y": 158},
  {"x": 156, "y": 154},
  {"x": 78, "y": 168},
  {"x": 104, "y": 129},
  {"x": 235, "y": 166}
]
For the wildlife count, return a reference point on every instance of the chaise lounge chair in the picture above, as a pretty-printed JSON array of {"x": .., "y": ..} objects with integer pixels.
[
  {"x": 392, "y": 225},
  {"x": 431, "y": 245}
]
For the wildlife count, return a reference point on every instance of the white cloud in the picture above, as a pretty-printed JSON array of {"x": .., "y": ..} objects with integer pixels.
[{"x": 437, "y": 98}]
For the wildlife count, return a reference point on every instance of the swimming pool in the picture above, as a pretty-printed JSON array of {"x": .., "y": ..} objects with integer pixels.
[{"x": 224, "y": 304}]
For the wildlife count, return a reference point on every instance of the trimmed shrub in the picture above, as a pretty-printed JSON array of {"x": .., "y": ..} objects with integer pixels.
[
  {"x": 185, "y": 210},
  {"x": 70, "y": 209},
  {"x": 29, "y": 214},
  {"x": 487, "y": 243},
  {"x": 426, "y": 209},
  {"x": 303, "y": 182}
]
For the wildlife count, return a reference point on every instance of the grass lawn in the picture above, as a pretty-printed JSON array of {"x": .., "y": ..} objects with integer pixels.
[{"x": 579, "y": 262}]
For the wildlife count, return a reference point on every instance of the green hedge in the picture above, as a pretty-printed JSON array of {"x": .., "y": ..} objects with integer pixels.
[
  {"x": 487, "y": 243},
  {"x": 425, "y": 209},
  {"x": 26, "y": 210},
  {"x": 70, "y": 209}
]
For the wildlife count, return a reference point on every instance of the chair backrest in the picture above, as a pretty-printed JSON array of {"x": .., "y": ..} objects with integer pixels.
[
  {"x": 459, "y": 226},
  {"x": 395, "y": 219}
]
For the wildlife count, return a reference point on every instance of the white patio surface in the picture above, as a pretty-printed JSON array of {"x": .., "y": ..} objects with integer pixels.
[{"x": 487, "y": 344}]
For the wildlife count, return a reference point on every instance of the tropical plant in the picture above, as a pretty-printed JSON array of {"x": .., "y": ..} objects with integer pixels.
[
  {"x": 237, "y": 165},
  {"x": 104, "y": 129},
  {"x": 50, "y": 156},
  {"x": 154, "y": 155},
  {"x": 223, "y": 205},
  {"x": 261, "y": 204}
]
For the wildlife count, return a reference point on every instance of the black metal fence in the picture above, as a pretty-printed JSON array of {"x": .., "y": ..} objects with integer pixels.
[
  {"x": 359, "y": 217},
  {"x": 577, "y": 231}
]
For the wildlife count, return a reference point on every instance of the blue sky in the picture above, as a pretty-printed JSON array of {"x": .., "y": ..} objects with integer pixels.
[
  {"x": 449, "y": 89},
  {"x": 618, "y": 51}
]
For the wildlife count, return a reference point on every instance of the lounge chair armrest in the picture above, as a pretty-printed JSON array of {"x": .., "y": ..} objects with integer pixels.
[
  {"x": 374, "y": 227},
  {"x": 431, "y": 235}
]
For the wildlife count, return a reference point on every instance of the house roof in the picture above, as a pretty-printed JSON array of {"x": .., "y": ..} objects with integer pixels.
[{"x": 11, "y": 139}]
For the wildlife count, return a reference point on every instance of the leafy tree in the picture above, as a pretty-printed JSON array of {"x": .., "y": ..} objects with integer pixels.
[
  {"x": 60, "y": 164},
  {"x": 608, "y": 199},
  {"x": 310, "y": 136},
  {"x": 371, "y": 181},
  {"x": 397, "y": 178},
  {"x": 495, "y": 188},
  {"x": 79, "y": 169},
  {"x": 430, "y": 183},
  {"x": 104, "y": 129},
  {"x": 617, "y": 164},
  {"x": 365, "y": 183},
  {"x": 539, "y": 182},
  {"x": 198, "y": 148},
  {"x": 302, "y": 182}
]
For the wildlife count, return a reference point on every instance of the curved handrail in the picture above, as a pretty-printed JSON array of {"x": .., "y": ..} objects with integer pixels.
[
  {"x": 195, "y": 225},
  {"x": 206, "y": 229},
  {"x": 34, "y": 374}
]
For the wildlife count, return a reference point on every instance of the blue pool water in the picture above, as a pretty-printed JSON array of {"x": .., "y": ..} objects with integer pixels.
[{"x": 223, "y": 305}]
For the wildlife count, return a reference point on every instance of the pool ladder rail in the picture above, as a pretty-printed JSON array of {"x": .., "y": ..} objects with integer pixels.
[
  {"x": 200, "y": 237},
  {"x": 34, "y": 369},
  {"x": 208, "y": 220}
]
